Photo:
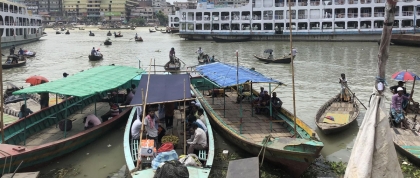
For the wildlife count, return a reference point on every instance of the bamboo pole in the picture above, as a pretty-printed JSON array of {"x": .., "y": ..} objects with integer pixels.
[
  {"x": 293, "y": 67},
  {"x": 189, "y": 99},
  {"x": 185, "y": 126},
  {"x": 144, "y": 115},
  {"x": 2, "y": 99}
]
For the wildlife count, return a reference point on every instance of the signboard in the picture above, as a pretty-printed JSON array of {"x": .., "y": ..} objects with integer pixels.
[{"x": 112, "y": 14}]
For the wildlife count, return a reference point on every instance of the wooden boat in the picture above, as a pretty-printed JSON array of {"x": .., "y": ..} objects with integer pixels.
[
  {"x": 139, "y": 39},
  {"x": 227, "y": 38},
  {"x": 163, "y": 31},
  {"x": 91, "y": 34},
  {"x": 21, "y": 61},
  {"x": 63, "y": 29},
  {"x": 81, "y": 28},
  {"x": 344, "y": 114},
  {"x": 109, "y": 34},
  {"x": 107, "y": 42},
  {"x": 36, "y": 139},
  {"x": 172, "y": 66},
  {"x": 132, "y": 28},
  {"x": 67, "y": 33},
  {"x": 284, "y": 60},
  {"x": 57, "y": 32},
  {"x": 152, "y": 31},
  {"x": 117, "y": 35},
  {"x": 205, "y": 59},
  {"x": 95, "y": 58},
  {"x": 131, "y": 155},
  {"x": 407, "y": 141},
  {"x": 294, "y": 154}
]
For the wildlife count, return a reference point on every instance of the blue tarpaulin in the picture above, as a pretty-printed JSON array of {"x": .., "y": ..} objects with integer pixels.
[{"x": 224, "y": 75}]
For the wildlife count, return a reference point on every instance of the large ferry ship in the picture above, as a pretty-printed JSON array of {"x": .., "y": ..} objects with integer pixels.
[
  {"x": 18, "y": 25},
  {"x": 309, "y": 17}
]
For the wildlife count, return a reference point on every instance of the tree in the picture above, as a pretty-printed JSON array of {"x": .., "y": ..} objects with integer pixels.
[
  {"x": 163, "y": 19},
  {"x": 138, "y": 21}
]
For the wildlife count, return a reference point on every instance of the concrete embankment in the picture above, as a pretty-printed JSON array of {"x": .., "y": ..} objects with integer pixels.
[{"x": 284, "y": 37}]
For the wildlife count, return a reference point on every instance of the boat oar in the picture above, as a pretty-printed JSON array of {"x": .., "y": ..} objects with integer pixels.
[
  {"x": 356, "y": 97},
  {"x": 130, "y": 39}
]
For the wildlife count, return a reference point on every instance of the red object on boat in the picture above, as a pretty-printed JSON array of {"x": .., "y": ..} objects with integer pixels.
[
  {"x": 166, "y": 147},
  {"x": 36, "y": 79},
  {"x": 330, "y": 118}
]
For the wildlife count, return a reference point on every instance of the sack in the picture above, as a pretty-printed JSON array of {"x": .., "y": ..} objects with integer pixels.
[
  {"x": 172, "y": 169},
  {"x": 67, "y": 126},
  {"x": 190, "y": 160},
  {"x": 148, "y": 149}
]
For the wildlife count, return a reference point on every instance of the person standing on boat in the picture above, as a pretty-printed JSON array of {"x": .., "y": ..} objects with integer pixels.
[
  {"x": 294, "y": 51},
  {"x": 270, "y": 57},
  {"x": 151, "y": 127},
  {"x": 12, "y": 50},
  {"x": 397, "y": 109},
  {"x": 172, "y": 55},
  {"x": 136, "y": 37},
  {"x": 198, "y": 141},
  {"x": 345, "y": 95},
  {"x": 93, "y": 52},
  {"x": 200, "y": 52}
]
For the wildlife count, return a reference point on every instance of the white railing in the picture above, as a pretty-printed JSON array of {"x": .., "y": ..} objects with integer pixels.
[
  {"x": 352, "y": 15},
  {"x": 293, "y": 16},
  {"x": 365, "y": 1},
  {"x": 407, "y": 13},
  {"x": 339, "y": 2},
  {"x": 368, "y": 14},
  {"x": 339, "y": 15},
  {"x": 353, "y": 2},
  {"x": 198, "y": 18},
  {"x": 225, "y": 18},
  {"x": 256, "y": 18},
  {"x": 302, "y": 16},
  {"x": 279, "y": 4},
  {"x": 379, "y": 1},
  {"x": 278, "y": 17},
  {"x": 314, "y": 17},
  {"x": 407, "y": 0},
  {"x": 269, "y": 17},
  {"x": 291, "y": 4},
  {"x": 304, "y": 3},
  {"x": 206, "y": 18},
  {"x": 315, "y": 3},
  {"x": 379, "y": 14},
  {"x": 246, "y": 17}
]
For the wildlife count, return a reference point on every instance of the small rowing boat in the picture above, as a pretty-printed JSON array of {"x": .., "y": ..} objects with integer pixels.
[
  {"x": 95, "y": 58},
  {"x": 284, "y": 60},
  {"x": 14, "y": 61}
]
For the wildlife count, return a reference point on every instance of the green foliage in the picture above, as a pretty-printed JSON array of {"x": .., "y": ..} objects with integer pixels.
[
  {"x": 338, "y": 167},
  {"x": 163, "y": 19},
  {"x": 139, "y": 21},
  {"x": 409, "y": 170}
]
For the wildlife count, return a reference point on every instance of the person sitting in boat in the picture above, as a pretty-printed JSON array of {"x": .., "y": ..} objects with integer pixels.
[
  {"x": 200, "y": 52},
  {"x": 275, "y": 101},
  {"x": 270, "y": 57},
  {"x": 136, "y": 37},
  {"x": 394, "y": 91},
  {"x": 91, "y": 121},
  {"x": 198, "y": 141},
  {"x": 113, "y": 111},
  {"x": 93, "y": 52},
  {"x": 260, "y": 96},
  {"x": 397, "y": 109},
  {"x": 20, "y": 52},
  {"x": 263, "y": 102},
  {"x": 98, "y": 53},
  {"x": 212, "y": 59},
  {"x": 345, "y": 94},
  {"x": 129, "y": 97},
  {"x": 24, "y": 111},
  {"x": 136, "y": 127},
  {"x": 90, "y": 32},
  {"x": 119, "y": 33},
  {"x": 172, "y": 55},
  {"x": 193, "y": 119},
  {"x": 294, "y": 51}
]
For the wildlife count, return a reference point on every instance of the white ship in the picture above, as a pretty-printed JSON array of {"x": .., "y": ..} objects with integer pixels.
[
  {"x": 18, "y": 25},
  {"x": 309, "y": 17}
]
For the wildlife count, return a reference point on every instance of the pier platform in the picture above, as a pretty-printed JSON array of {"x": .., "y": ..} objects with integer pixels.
[{"x": 406, "y": 39}]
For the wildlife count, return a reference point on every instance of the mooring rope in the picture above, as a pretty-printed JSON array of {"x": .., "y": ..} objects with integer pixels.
[{"x": 264, "y": 147}]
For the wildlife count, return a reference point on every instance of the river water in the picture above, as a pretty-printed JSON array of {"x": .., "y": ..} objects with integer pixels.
[{"x": 318, "y": 66}]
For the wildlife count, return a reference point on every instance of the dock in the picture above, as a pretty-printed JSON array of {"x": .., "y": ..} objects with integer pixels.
[{"x": 406, "y": 39}]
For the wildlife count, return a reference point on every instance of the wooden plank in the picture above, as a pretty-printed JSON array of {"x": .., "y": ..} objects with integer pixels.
[
  {"x": 22, "y": 175},
  {"x": 244, "y": 168}
]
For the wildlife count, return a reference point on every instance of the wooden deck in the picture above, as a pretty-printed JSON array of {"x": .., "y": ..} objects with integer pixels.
[
  {"x": 254, "y": 128},
  {"x": 339, "y": 108},
  {"x": 53, "y": 133},
  {"x": 408, "y": 141}
]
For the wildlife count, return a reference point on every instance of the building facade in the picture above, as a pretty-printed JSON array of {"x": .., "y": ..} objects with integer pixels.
[{"x": 96, "y": 10}]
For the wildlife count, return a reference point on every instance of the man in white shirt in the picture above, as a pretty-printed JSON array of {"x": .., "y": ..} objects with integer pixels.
[
  {"x": 294, "y": 51},
  {"x": 151, "y": 127},
  {"x": 135, "y": 129},
  {"x": 345, "y": 95},
  {"x": 198, "y": 141},
  {"x": 91, "y": 121}
]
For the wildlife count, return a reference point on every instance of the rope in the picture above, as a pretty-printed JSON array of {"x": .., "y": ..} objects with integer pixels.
[
  {"x": 264, "y": 147},
  {"x": 379, "y": 79}
]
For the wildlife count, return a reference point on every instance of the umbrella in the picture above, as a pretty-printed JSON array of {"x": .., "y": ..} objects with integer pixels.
[
  {"x": 36, "y": 79},
  {"x": 405, "y": 76},
  {"x": 268, "y": 51}
]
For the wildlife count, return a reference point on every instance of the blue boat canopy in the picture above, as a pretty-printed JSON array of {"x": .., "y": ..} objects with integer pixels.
[
  {"x": 224, "y": 75},
  {"x": 163, "y": 88}
]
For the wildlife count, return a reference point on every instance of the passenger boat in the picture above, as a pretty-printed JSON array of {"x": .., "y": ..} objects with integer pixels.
[
  {"x": 109, "y": 34},
  {"x": 313, "y": 17},
  {"x": 95, "y": 58},
  {"x": 131, "y": 146},
  {"x": 16, "y": 32},
  {"x": 36, "y": 139},
  {"x": 139, "y": 39},
  {"x": 248, "y": 131},
  {"x": 108, "y": 42},
  {"x": 28, "y": 53},
  {"x": 152, "y": 31},
  {"x": 21, "y": 61},
  {"x": 285, "y": 60},
  {"x": 57, "y": 32},
  {"x": 336, "y": 116},
  {"x": 226, "y": 38}
]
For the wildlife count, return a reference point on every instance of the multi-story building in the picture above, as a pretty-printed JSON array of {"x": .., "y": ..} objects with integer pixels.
[
  {"x": 96, "y": 10},
  {"x": 50, "y": 7}
]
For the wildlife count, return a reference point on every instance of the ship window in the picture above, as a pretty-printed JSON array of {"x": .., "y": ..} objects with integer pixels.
[
  {"x": 206, "y": 26},
  {"x": 365, "y": 24},
  {"x": 352, "y": 25},
  {"x": 339, "y": 25},
  {"x": 314, "y": 25},
  {"x": 216, "y": 27},
  {"x": 198, "y": 26},
  {"x": 279, "y": 3},
  {"x": 302, "y": 25},
  {"x": 268, "y": 26},
  {"x": 396, "y": 23},
  {"x": 407, "y": 23}
]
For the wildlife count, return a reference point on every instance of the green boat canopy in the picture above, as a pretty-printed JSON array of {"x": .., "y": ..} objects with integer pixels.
[{"x": 88, "y": 82}]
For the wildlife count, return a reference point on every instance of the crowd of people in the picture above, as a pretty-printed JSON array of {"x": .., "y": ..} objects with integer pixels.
[{"x": 264, "y": 100}]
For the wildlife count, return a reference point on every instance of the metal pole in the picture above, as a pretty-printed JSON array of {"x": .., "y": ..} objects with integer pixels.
[
  {"x": 65, "y": 117},
  {"x": 2, "y": 99},
  {"x": 293, "y": 70}
]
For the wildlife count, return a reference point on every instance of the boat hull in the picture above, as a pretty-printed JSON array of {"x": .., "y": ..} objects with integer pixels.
[
  {"x": 331, "y": 130},
  {"x": 20, "y": 64},
  {"x": 95, "y": 58},
  {"x": 228, "y": 39},
  {"x": 172, "y": 67},
  {"x": 117, "y": 36},
  {"x": 107, "y": 43},
  {"x": 285, "y": 60}
]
